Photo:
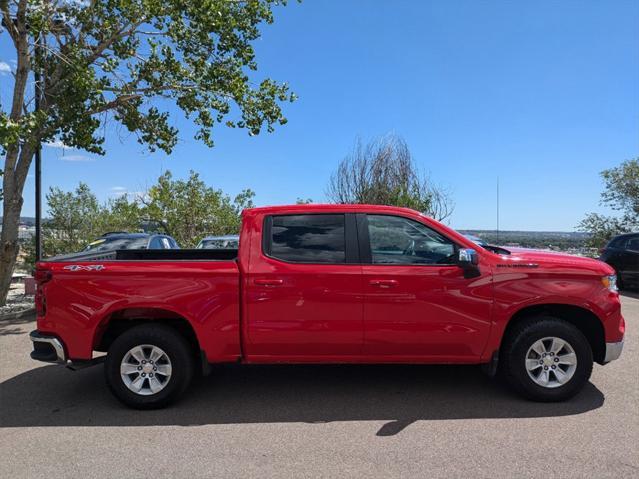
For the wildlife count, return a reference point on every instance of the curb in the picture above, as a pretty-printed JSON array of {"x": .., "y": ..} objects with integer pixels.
[{"x": 17, "y": 314}]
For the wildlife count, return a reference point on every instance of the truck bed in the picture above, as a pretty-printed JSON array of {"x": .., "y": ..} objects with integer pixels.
[
  {"x": 200, "y": 287},
  {"x": 151, "y": 255}
]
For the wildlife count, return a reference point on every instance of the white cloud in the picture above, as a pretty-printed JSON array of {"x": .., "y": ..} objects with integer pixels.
[
  {"x": 5, "y": 68},
  {"x": 76, "y": 158},
  {"x": 55, "y": 144},
  {"x": 118, "y": 189}
]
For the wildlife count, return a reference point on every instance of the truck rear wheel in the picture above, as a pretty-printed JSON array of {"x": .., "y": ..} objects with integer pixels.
[
  {"x": 149, "y": 366},
  {"x": 546, "y": 359}
]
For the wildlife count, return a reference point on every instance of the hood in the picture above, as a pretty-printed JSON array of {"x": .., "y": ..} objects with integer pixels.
[{"x": 529, "y": 258}]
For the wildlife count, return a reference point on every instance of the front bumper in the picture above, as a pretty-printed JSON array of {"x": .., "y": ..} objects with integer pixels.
[
  {"x": 47, "y": 348},
  {"x": 613, "y": 351}
]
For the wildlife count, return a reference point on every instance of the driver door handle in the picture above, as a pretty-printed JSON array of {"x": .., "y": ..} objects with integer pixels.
[{"x": 383, "y": 283}]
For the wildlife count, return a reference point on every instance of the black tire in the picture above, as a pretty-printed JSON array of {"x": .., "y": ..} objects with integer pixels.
[
  {"x": 175, "y": 347},
  {"x": 516, "y": 345}
]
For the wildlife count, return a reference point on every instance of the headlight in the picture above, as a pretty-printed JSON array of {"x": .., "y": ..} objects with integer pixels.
[{"x": 610, "y": 282}]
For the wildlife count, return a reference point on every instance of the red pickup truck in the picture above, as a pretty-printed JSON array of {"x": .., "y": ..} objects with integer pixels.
[{"x": 330, "y": 284}]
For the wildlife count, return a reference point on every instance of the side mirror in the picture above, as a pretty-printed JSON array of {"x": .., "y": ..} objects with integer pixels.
[
  {"x": 467, "y": 257},
  {"x": 468, "y": 261}
]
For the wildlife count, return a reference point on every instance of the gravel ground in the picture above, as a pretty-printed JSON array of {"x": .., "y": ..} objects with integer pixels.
[
  {"x": 16, "y": 300},
  {"x": 317, "y": 421}
]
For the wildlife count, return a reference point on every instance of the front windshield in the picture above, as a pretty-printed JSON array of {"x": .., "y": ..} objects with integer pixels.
[{"x": 112, "y": 244}]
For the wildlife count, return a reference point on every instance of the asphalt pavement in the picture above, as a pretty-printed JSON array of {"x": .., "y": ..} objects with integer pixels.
[{"x": 317, "y": 421}]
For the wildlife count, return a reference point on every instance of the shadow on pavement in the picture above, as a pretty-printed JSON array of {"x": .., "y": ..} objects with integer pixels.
[
  {"x": 629, "y": 294},
  {"x": 13, "y": 326},
  {"x": 234, "y": 394}
]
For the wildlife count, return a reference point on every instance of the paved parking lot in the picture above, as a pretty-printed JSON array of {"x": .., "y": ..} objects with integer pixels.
[{"x": 312, "y": 421}]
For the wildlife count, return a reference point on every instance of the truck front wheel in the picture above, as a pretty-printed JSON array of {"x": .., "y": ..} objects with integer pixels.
[
  {"x": 148, "y": 366},
  {"x": 546, "y": 359}
]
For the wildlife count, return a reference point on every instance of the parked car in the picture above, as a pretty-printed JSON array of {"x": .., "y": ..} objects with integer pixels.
[
  {"x": 622, "y": 253},
  {"x": 107, "y": 245},
  {"x": 476, "y": 239},
  {"x": 219, "y": 242},
  {"x": 123, "y": 240},
  {"x": 330, "y": 284}
]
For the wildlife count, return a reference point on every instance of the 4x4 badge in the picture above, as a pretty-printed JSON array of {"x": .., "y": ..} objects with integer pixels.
[{"x": 79, "y": 267}]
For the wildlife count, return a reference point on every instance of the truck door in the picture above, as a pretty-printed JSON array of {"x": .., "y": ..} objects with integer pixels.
[
  {"x": 303, "y": 291},
  {"x": 417, "y": 304}
]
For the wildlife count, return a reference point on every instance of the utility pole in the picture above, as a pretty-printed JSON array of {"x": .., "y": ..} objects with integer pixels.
[{"x": 38, "y": 156}]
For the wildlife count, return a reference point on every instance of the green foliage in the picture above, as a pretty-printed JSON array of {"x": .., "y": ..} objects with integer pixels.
[
  {"x": 128, "y": 62},
  {"x": 602, "y": 228},
  {"x": 113, "y": 56},
  {"x": 75, "y": 218},
  {"x": 621, "y": 194},
  {"x": 622, "y": 188},
  {"x": 189, "y": 209}
]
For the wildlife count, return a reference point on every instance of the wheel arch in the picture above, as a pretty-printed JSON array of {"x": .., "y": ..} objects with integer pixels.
[
  {"x": 121, "y": 320},
  {"x": 583, "y": 319}
]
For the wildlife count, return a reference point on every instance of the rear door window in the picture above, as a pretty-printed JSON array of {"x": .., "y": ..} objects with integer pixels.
[{"x": 318, "y": 238}]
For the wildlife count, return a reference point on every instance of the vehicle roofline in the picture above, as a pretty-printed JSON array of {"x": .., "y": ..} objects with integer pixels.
[{"x": 320, "y": 207}]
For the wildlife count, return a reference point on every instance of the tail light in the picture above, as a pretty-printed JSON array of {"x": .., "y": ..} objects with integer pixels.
[{"x": 41, "y": 276}]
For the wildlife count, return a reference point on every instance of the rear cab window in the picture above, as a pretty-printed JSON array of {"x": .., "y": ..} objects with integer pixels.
[{"x": 306, "y": 238}]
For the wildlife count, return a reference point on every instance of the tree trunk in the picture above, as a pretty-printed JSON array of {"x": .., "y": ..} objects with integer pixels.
[
  {"x": 9, "y": 249},
  {"x": 13, "y": 184}
]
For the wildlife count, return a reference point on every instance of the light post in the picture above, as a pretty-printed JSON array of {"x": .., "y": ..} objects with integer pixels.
[{"x": 38, "y": 162}]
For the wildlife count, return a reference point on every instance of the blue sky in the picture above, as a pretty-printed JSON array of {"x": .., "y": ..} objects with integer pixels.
[{"x": 544, "y": 95}]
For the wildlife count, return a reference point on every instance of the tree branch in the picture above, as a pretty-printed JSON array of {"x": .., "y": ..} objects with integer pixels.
[
  {"x": 121, "y": 32},
  {"x": 8, "y": 21},
  {"x": 150, "y": 89},
  {"x": 121, "y": 100}
]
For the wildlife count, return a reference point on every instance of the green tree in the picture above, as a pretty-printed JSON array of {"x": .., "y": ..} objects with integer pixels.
[
  {"x": 107, "y": 60},
  {"x": 121, "y": 214},
  {"x": 189, "y": 209},
  {"x": 75, "y": 218},
  {"x": 621, "y": 194},
  {"x": 383, "y": 172}
]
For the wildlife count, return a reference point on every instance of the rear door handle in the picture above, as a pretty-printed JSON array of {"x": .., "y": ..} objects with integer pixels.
[
  {"x": 383, "y": 283},
  {"x": 268, "y": 282}
]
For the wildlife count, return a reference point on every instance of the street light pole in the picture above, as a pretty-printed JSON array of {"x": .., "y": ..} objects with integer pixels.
[{"x": 38, "y": 161}]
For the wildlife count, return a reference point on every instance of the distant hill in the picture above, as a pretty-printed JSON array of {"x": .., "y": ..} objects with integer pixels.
[
  {"x": 561, "y": 240},
  {"x": 529, "y": 234},
  {"x": 28, "y": 220}
]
